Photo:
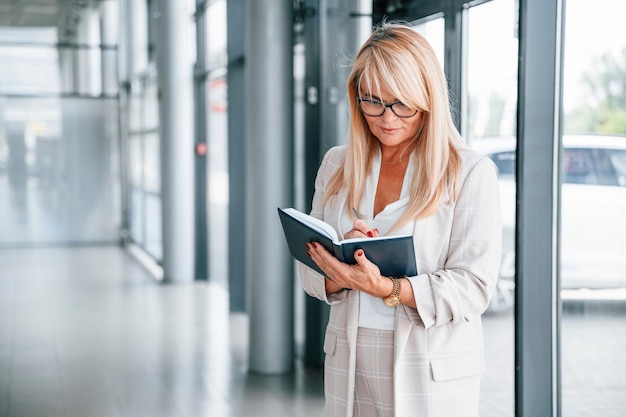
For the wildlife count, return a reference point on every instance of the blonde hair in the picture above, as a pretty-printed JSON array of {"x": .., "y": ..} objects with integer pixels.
[{"x": 399, "y": 60}]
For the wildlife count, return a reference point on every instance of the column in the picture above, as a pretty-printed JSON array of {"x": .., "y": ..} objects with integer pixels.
[
  {"x": 174, "y": 53},
  {"x": 269, "y": 162},
  {"x": 538, "y": 194}
]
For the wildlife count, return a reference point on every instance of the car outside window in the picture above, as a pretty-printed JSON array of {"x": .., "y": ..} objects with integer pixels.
[
  {"x": 595, "y": 166},
  {"x": 617, "y": 159},
  {"x": 578, "y": 167},
  {"x": 505, "y": 161}
]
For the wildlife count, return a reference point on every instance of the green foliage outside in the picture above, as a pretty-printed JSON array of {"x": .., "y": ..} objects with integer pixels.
[{"x": 605, "y": 109}]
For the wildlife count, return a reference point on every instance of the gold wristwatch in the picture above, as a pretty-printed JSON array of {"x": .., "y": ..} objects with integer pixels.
[{"x": 393, "y": 299}]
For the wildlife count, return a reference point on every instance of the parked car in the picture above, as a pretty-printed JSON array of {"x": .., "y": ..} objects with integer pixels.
[{"x": 593, "y": 212}]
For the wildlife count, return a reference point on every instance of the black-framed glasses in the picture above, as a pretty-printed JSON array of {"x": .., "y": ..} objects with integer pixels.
[{"x": 376, "y": 108}]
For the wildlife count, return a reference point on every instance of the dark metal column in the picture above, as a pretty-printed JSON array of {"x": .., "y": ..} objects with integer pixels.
[
  {"x": 269, "y": 163},
  {"x": 538, "y": 190},
  {"x": 316, "y": 313},
  {"x": 200, "y": 168},
  {"x": 237, "y": 255},
  {"x": 333, "y": 32},
  {"x": 453, "y": 61}
]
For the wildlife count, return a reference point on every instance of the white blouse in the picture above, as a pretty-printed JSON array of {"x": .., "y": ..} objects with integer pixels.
[{"x": 373, "y": 313}]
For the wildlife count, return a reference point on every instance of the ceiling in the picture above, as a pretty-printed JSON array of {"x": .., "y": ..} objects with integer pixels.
[{"x": 33, "y": 13}]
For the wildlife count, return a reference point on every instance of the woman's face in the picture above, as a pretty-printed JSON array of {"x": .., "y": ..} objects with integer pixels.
[{"x": 390, "y": 129}]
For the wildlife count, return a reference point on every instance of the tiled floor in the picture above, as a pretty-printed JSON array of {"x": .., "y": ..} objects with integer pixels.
[{"x": 87, "y": 332}]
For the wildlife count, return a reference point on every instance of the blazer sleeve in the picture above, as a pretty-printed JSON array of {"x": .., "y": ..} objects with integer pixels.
[
  {"x": 462, "y": 289},
  {"x": 313, "y": 282}
]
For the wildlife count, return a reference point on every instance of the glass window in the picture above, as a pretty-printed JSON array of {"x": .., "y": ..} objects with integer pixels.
[
  {"x": 607, "y": 174},
  {"x": 135, "y": 106},
  {"x": 152, "y": 161},
  {"x": 151, "y": 104},
  {"x": 433, "y": 29},
  {"x": 592, "y": 267},
  {"x": 492, "y": 45},
  {"x": 88, "y": 66},
  {"x": 57, "y": 182},
  {"x": 29, "y": 69},
  {"x": 137, "y": 209},
  {"x": 110, "y": 82},
  {"x": 35, "y": 35},
  {"x": 578, "y": 167},
  {"x": 617, "y": 159},
  {"x": 217, "y": 174},
  {"x": 57, "y": 172},
  {"x": 135, "y": 160},
  {"x": 216, "y": 34},
  {"x": 491, "y": 95},
  {"x": 153, "y": 242},
  {"x": 144, "y": 164},
  {"x": 505, "y": 161}
]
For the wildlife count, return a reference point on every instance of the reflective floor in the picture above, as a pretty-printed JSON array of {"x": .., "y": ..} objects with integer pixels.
[{"x": 87, "y": 332}]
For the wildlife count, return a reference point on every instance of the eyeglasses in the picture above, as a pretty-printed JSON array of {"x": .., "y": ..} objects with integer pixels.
[{"x": 376, "y": 108}]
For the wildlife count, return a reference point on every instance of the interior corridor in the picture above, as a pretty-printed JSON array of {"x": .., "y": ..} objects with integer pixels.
[{"x": 88, "y": 332}]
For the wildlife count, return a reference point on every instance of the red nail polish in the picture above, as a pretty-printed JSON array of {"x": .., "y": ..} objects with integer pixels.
[
  {"x": 359, "y": 253},
  {"x": 370, "y": 233}
]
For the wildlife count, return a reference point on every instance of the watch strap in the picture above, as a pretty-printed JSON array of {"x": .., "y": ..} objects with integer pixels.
[{"x": 393, "y": 299}]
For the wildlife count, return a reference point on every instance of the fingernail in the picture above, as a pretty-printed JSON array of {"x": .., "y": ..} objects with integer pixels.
[
  {"x": 308, "y": 254},
  {"x": 370, "y": 233},
  {"x": 359, "y": 253}
]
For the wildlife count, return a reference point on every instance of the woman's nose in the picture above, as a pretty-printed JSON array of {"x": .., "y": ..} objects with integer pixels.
[{"x": 388, "y": 114}]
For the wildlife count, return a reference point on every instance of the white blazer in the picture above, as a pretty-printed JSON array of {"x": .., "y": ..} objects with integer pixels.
[{"x": 438, "y": 346}]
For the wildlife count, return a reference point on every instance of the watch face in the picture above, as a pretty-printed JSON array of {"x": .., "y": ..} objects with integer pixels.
[{"x": 392, "y": 301}]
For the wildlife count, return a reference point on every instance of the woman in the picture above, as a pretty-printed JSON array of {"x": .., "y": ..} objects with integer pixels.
[{"x": 410, "y": 346}]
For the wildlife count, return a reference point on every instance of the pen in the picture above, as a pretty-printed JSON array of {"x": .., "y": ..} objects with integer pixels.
[{"x": 356, "y": 213}]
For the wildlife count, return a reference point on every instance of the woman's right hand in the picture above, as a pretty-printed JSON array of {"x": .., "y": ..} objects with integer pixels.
[{"x": 360, "y": 229}]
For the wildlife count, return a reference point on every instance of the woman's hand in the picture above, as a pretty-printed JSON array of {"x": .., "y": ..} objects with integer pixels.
[
  {"x": 363, "y": 276},
  {"x": 360, "y": 229}
]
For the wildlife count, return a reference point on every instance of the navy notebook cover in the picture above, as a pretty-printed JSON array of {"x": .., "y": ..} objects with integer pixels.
[{"x": 394, "y": 255}]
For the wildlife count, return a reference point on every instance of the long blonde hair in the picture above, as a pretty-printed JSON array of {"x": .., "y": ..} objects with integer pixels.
[{"x": 401, "y": 61}]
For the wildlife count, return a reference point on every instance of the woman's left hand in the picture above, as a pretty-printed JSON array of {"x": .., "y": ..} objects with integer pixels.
[{"x": 363, "y": 276}]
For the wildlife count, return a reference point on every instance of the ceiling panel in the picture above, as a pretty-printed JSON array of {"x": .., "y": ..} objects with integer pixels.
[{"x": 31, "y": 13}]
